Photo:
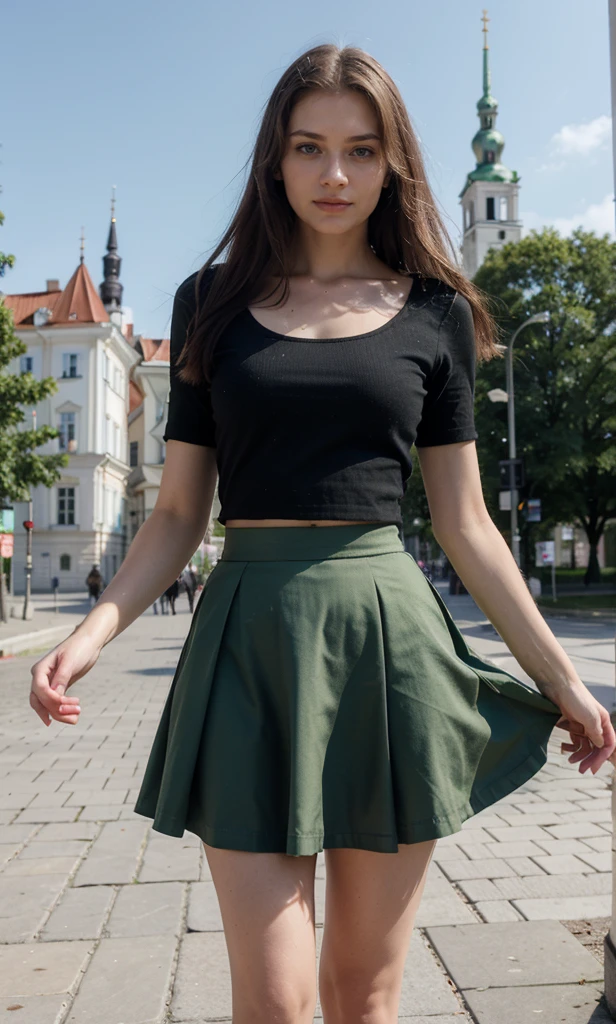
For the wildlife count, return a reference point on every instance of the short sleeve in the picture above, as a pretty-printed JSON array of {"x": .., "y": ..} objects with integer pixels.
[
  {"x": 189, "y": 417},
  {"x": 448, "y": 408}
]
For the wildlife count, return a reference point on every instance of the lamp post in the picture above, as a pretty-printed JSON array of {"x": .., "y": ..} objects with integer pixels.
[
  {"x": 29, "y": 526},
  {"x": 497, "y": 396}
]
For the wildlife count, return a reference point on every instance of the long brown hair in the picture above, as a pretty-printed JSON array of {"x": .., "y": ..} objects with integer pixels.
[{"x": 405, "y": 229}]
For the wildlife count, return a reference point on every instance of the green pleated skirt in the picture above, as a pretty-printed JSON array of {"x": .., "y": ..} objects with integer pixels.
[{"x": 324, "y": 697}]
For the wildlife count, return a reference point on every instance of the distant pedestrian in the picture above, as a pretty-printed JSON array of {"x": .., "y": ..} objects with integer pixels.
[
  {"x": 95, "y": 584},
  {"x": 190, "y": 584},
  {"x": 171, "y": 594}
]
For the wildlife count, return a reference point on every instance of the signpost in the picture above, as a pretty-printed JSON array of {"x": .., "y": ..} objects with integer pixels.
[{"x": 544, "y": 555}]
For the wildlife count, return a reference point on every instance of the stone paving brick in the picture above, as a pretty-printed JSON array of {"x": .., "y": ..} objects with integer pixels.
[
  {"x": 21, "y": 866},
  {"x": 97, "y": 797},
  {"x": 16, "y": 833},
  {"x": 551, "y": 807},
  {"x": 65, "y": 831},
  {"x": 16, "y": 801},
  {"x": 55, "y": 848},
  {"x": 519, "y": 834},
  {"x": 478, "y": 889},
  {"x": 113, "y": 856},
  {"x": 498, "y": 910},
  {"x": 200, "y": 993},
  {"x": 574, "y": 830},
  {"x": 203, "y": 908},
  {"x": 449, "y": 852},
  {"x": 526, "y": 848},
  {"x": 517, "y": 953},
  {"x": 45, "y": 814},
  {"x": 169, "y": 858},
  {"x": 106, "y": 812},
  {"x": 566, "y": 864},
  {"x": 152, "y": 909},
  {"x": 565, "y": 908},
  {"x": 551, "y": 1004},
  {"x": 33, "y": 1009},
  {"x": 41, "y": 969},
  {"x": 33, "y": 800},
  {"x": 547, "y": 886},
  {"x": 79, "y": 914},
  {"x": 490, "y": 867},
  {"x": 524, "y": 866},
  {"x": 126, "y": 981},
  {"x": 8, "y": 850},
  {"x": 599, "y": 861},
  {"x": 559, "y": 847}
]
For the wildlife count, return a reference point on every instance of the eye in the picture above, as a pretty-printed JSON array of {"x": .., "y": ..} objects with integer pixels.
[
  {"x": 303, "y": 146},
  {"x": 366, "y": 149}
]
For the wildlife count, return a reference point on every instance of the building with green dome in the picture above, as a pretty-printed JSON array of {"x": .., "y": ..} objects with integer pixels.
[{"x": 489, "y": 198}]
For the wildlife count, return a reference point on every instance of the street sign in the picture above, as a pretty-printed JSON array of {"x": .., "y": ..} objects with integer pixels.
[
  {"x": 544, "y": 552},
  {"x": 533, "y": 510},
  {"x": 504, "y": 501},
  {"x": 566, "y": 533},
  {"x": 7, "y": 520},
  {"x": 6, "y": 545}
]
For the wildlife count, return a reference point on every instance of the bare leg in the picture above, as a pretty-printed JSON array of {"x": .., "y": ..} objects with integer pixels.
[
  {"x": 267, "y": 907},
  {"x": 370, "y": 905}
]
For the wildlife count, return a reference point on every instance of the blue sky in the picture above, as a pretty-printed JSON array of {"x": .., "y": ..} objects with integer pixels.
[{"x": 163, "y": 101}]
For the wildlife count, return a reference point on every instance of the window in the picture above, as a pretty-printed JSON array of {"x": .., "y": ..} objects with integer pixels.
[
  {"x": 67, "y": 438},
  {"x": 69, "y": 364},
  {"x": 490, "y": 208},
  {"x": 501, "y": 234},
  {"x": 66, "y": 506},
  {"x": 65, "y": 563},
  {"x": 26, "y": 364},
  {"x": 502, "y": 210},
  {"x": 134, "y": 453}
]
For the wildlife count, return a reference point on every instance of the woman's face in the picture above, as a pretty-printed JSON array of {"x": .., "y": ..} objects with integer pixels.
[{"x": 333, "y": 151}]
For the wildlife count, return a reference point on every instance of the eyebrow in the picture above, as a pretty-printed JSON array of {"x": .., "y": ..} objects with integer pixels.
[{"x": 351, "y": 138}]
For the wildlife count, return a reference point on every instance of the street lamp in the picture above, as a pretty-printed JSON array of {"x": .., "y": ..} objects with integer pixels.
[{"x": 497, "y": 395}]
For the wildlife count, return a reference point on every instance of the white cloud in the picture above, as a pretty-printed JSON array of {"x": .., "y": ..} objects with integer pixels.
[
  {"x": 582, "y": 139},
  {"x": 597, "y": 217},
  {"x": 577, "y": 140}
]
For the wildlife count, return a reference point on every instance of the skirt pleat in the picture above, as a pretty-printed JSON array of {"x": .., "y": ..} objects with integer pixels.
[{"x": 324, "y": 697}]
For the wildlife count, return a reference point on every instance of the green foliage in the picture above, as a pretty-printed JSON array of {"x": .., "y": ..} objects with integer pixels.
[
  {"x": 564, "y": 377},
  {"x": 20, "y": 466}
]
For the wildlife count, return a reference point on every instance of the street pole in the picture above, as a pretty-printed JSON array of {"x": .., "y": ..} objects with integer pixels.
[
  {"x": 515, "y": 537},
  {"x": 29, "y": 525},
  {"x": 536, "y": 318}
]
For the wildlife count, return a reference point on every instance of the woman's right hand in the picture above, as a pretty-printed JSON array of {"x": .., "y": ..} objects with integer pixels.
[{"x": 55, "y": 672}]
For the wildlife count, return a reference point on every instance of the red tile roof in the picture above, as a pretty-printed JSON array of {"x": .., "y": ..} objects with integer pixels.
[
  {"x": 78, "y": 303},
  {"x": 155, "y": 348}
]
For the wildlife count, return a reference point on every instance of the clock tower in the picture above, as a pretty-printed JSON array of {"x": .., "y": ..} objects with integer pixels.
[{"x": 489, "y": 198}]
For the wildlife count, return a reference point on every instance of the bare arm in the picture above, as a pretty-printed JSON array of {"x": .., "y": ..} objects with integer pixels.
[
  {"x": 480, "y": 555},
  {"x": 164, "y": 543}
]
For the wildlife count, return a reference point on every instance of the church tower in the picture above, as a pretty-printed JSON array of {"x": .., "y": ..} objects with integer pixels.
[
  {"x": 110, "y": 289},
  {"x": 489, "y": 198}
]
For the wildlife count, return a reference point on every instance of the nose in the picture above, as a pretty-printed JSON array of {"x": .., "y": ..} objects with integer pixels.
[{"x": 333, "y": 172}]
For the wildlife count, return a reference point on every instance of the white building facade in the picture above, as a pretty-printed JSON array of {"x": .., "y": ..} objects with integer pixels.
[{"x": 81, "y": 520}]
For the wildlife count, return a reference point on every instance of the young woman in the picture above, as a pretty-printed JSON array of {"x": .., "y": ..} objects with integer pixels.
[{"x": 324, "y": 698}]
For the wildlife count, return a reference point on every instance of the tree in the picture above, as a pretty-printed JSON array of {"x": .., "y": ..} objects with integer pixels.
[
  {"x": 20, "y": 466},
  {"x": 564, "y": 375}
]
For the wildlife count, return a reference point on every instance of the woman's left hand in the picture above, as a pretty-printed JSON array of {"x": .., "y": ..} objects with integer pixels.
[{"x": 593, "y": 739}]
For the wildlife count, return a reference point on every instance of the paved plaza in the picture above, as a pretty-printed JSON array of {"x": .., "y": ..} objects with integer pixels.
[{"x": 104, "y": 921}]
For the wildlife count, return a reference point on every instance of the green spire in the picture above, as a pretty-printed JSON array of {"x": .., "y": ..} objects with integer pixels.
[{"x": 488, "y": 143}]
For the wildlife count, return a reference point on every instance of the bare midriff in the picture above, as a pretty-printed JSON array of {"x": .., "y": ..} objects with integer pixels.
[{"x": 298, "y": 522}]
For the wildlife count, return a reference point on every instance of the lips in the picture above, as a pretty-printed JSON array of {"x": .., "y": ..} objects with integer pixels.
[{"x": 333, "y": 202}]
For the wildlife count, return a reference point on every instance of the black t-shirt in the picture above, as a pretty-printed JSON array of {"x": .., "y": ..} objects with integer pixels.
[{"x": 307, "y": 428}]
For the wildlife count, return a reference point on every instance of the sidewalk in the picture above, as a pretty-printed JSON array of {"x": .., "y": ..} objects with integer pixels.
[
  {"x": 46, "y": 627},
  {"x": 104, "y": 921}
]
